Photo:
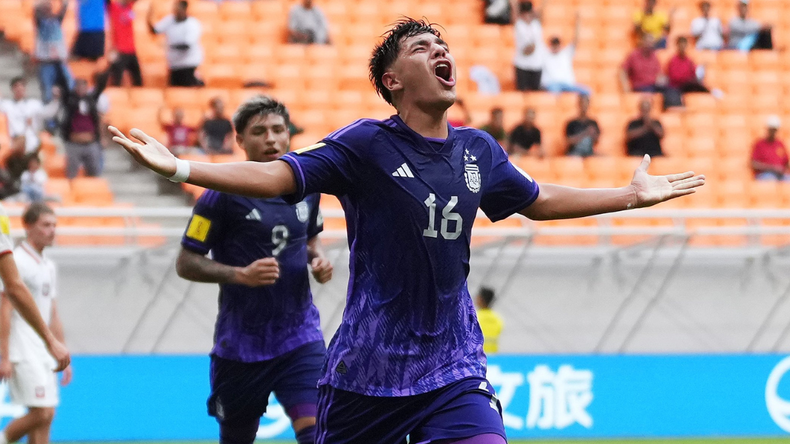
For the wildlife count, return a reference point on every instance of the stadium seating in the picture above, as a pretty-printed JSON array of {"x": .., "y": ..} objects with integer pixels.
[{"x": 326, "y": 86}]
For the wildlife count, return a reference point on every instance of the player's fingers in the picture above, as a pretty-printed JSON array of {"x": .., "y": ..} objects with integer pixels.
[
  {"x": 139, "y": 135},
  {"x": 269, "y": 261},
  {"x": 688, "y": 184},
  {"x": 645, "y": 163},
  {"x": 680, "y": 176},
  {"x": 115, "y": 131},
  {"x": 679, "y": 193}
]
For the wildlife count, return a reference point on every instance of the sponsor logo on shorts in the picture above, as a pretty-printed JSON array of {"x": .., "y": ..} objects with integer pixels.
[{"x": 40, "y": 392}]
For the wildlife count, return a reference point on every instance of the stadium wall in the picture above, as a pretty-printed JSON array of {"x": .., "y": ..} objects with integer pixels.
[{"x": 128, "y": 398}]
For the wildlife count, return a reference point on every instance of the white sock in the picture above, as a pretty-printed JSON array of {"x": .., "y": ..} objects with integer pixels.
[{"x": 3, "y": 439}]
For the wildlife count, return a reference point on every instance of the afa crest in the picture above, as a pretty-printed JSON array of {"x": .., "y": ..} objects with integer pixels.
[
  {"x": 472, "y": 176},
  {"x": 302, "y": 211}
]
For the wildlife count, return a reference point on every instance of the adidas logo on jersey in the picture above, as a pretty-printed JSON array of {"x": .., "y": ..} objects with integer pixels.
[
  {"x": 254, "y": 215},
  {"x": 403, "y": 171},
  {"x": 341, "y": 368}
]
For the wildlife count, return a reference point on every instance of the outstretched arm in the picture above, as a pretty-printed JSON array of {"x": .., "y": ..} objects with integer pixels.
[
  {"x": 559, "y": 202},
  {"x": 198, "y": 268},
  {"x": 254, "y": 179}
]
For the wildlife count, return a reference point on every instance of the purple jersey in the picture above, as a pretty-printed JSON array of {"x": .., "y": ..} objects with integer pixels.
[
  {"x": 409, "y": 326},
  {"x": 258, "y": 324}
]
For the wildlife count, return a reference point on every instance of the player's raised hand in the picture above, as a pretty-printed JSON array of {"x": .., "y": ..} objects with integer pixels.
[
  {"x": 262, "y": 272},
  {"x": 6, "y": 370},
  {"x": 651, "y": 190},
  {"x": 322, "y": 269},
  {"x": 60, "y": 353},
  {"x": 146, "y": 150}
]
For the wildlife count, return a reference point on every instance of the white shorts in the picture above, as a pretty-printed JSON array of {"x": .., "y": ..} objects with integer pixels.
[{"x": 34, "y": 384}]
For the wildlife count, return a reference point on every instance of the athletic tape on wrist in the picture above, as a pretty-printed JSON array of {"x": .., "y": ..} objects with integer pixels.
[{"x": 182, "y": 171}]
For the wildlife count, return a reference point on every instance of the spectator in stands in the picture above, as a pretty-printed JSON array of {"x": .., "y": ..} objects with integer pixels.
[
  {"x": 496, "y": 125},
  {"x": 216, "y": 133},
  {"x": 558, "y": 75},
  {"x": 90, "y": 37},
  {"x": 682, "y": 71},
  {"x": 644, "y": 133},
  {"x": 498, "y": 12},
  {"x": 747, "y": 33},
  {"x": 525, "y": 136},
  {"x": 641, "y": 71},
  {"x": 184, "y": 51},
  {"x": 33, "y": 180},
  {"x": 490, "y": 322},
  {"x": 25, "y": 118},
  {"x": 769, "y": 155},
  {"x": 123, "y": 52},
  {"x": 81, "y": 126},
  {"x": 657, "y": 23},
  {"x": 529, "y": 48},
  {"x": 707, "y": 30},
  {"x": 582, "y": 133},
  {"x": 180, "y": 136},
  {"x": 307, "y": 24},
  {"x": 50, "y": 51}
]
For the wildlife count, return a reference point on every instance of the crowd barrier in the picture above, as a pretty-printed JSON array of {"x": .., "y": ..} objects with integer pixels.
[{"x": 575, "y": 396}]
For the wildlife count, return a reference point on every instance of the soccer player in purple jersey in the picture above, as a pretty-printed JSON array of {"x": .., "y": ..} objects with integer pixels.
[
  {"x": 268, "y": 337},
  {"x": 407, "y": 359}
]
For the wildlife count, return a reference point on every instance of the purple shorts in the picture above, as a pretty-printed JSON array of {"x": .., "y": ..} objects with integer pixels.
[
  {"x": 240, "y": 391},
  {"x": 463, "y": 409}
]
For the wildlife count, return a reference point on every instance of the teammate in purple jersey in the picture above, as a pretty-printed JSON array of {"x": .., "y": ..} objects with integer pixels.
[
  {"x": 268, "y": 336},
  {"x": 407, "y": 359}
]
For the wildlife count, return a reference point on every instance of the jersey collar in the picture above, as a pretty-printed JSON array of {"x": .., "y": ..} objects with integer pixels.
[
  {"x": 422, "y": 143},
  {"x": 31, "y": 251}
]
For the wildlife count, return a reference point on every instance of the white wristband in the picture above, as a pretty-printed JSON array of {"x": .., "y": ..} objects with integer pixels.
[{"x": 182, "y": 171}]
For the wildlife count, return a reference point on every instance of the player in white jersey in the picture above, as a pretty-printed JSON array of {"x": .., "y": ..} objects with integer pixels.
[{"x": 25, "y": 361}]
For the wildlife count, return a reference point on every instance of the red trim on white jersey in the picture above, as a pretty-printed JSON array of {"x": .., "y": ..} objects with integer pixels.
[
  {"x": 29, "y": 250},
  {"x": 4, "y": 252}
]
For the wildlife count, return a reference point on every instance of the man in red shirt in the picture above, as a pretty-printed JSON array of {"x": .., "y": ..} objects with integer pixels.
[
  {"x": 769, "y": 156},
  {"x": 682, "y": 71},
  {"x": 642, "y": 70},
  {"x": 180, "y": 136},
  {"x": 123, "y": 53}
]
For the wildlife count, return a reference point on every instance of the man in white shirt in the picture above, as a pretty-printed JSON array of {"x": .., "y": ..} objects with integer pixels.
[
  {"x": 184, "y": 52},
  {"x": 558, "y": 75},
  {"x": 25, "y": 121},
  {"x": 307, "y": 24},
  {"x": 708, "y": 30},
  {"x": 746, "y": 33},
  {"x": 25, "y": 361},
  {"x": 529, "y": 48}
]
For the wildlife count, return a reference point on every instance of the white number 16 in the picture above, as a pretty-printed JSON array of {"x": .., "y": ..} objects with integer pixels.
[{"x": 447, "y": 216}]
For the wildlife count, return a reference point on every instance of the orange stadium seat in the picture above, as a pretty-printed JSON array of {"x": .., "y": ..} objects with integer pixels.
[{"x": 91, "y": 190}]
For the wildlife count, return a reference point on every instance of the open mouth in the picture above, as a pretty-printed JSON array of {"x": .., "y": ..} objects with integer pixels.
[
  {"x": 444, "y": 72},
  {"x": 271, "y": 152}
]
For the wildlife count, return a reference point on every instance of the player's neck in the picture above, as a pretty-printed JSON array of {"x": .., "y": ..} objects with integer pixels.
[
  {"x": 36, "y": 248},
  {"x": 426, "y": 124}
]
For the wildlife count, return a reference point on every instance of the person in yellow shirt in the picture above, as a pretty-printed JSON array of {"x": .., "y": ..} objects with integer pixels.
[
  {"x": 490, "y": 322},
  {"x": 650, "y": 21}
]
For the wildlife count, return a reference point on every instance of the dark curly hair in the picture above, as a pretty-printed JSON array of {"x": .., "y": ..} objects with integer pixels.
[{"x": 387, "y": 51}]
